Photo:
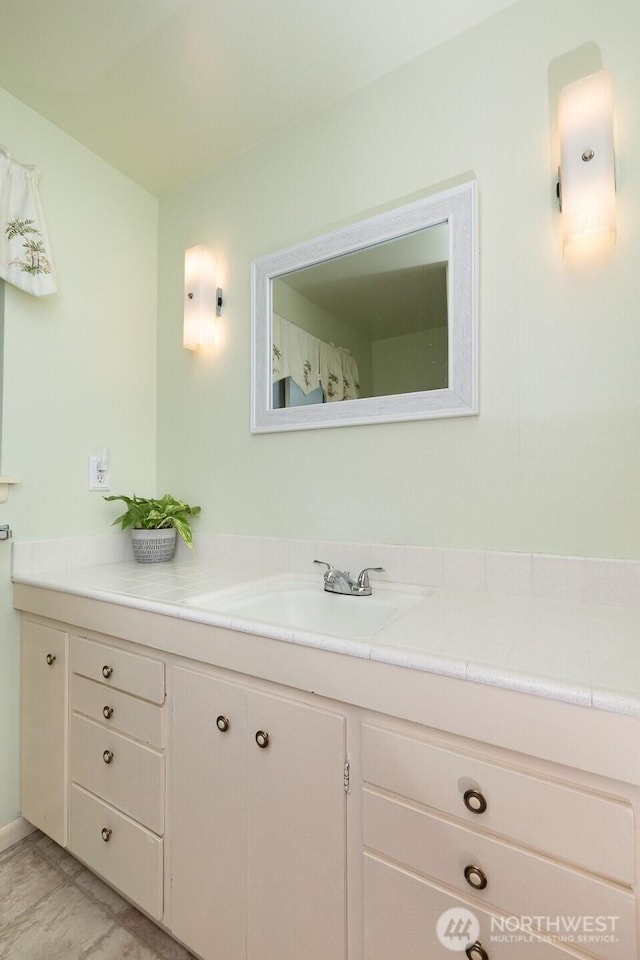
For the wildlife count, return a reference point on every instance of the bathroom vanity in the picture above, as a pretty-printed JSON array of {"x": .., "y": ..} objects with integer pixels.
[{"x": 277, "y": 794}]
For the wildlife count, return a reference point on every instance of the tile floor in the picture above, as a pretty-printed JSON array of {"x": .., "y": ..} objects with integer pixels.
[{"x": 52, "y": 908}]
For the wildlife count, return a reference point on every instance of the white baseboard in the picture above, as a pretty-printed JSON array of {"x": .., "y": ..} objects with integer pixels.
[{"x": 14, "y": 831}]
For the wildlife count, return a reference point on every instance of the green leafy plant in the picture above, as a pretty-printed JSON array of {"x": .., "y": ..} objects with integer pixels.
[{"x": 147, "y": 514}]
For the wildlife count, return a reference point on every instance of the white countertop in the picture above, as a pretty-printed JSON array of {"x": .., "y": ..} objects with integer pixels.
[{"x": 578, "y": 653}]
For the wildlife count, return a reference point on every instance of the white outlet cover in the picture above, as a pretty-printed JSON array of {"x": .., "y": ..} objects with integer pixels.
[{"x": 99, "y": 479}]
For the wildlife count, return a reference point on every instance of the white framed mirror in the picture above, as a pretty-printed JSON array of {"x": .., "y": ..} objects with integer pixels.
[{"x": 372, "y": 323}]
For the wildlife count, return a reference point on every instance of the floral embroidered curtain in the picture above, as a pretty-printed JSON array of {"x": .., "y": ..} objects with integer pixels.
[
  {"x": 311, "y": 362},
  {"x": 25, "y": 253}
]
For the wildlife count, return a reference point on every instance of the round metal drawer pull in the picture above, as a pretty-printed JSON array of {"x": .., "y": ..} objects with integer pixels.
[
  {"x": 107, "y": 671},
  {"x": 106, "y": 834},
  {"x": 222, "y": 723},
  {"x": 107, "y": 712},
  {"x": 474, "y": 801},
  {"x": 107, "y": 756},
  {"x": 262, "y": 739},
  {"x": 475, "y": 877},
  {"x": 51, "y": 659},
  {"x": 475, "y": 951}
]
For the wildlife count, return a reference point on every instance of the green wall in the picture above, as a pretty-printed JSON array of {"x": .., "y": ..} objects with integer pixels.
[
  {"x": 79, "y": 369},
  {"x": 551, "y": 463},
  {"x": 415, "y": 361}
]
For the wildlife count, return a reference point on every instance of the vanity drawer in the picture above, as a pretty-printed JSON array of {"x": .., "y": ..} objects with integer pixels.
[
  {"x": 138, "y": 718},
  {"x": 123, "y": 772},
  {"x": 402, "y": 914},
  {"x": 126, "y": 855},
  {"x": 584, "y": 828},
  {"x": 141, "y": 676},
  {"x": 518, "y": 883}
]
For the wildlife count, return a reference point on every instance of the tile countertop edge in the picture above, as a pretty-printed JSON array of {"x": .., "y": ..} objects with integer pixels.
[{"x": 594, "y": 695}]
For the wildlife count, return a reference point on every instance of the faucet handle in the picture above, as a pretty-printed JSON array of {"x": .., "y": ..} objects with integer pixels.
[
  {"x": 330, "y": 567},
  {"x": 363, "y": 576}
]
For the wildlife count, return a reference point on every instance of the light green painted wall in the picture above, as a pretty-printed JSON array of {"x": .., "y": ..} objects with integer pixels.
[
  {"x": 552, "y": 462},
  {"x": 79, "y": 369},
  {"x": 415, "y": 361}
]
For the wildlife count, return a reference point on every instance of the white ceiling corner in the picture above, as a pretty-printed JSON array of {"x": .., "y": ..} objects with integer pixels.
[{"x": 165, "y": 90}]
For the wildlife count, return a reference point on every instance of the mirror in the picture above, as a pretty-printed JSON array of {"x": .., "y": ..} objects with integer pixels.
[{"x": 372, "y": 323}]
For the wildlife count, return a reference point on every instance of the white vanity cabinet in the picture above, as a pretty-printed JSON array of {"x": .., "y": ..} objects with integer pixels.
[
  {"x": 43, "y": 718},
  {"x": 117, "y": 768},
  {"x": 227, "y": 815},
  {"x": 444, "y": 827},
  {"x": 258, "y": 816}
]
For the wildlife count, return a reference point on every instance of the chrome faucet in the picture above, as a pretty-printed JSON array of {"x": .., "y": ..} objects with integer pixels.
[{"x": 339, "y": 581}]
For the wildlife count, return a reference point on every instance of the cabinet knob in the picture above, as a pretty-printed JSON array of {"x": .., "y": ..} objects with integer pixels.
[
  {"x": 474, "y": 801},
  {"x": 475, "y": 877},
  {"x": 107, "y": 756},
  {"x": 262, "y": 739},
  {"x": 107, "y": 671},
  {"x": 107, "y": 712},
  {"x": 50, "y": 659},
  {"x": 106, "y": 834},
  {"x": 475, "y": 951},
  {"x": 222, "y": 723}
]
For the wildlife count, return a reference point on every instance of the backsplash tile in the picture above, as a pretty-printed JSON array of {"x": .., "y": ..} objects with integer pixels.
[
  {"x": 274, "y": 554},
  {"x": 579, "y": 580},
  {"x": 21, "y": 551},
  {"x": 510, "y": 573},
  {"x": 302, "y": 553},
  {"x": 558, "y": 578},
  {"x": 465, "y": 569},
  {"x": 428, "y": 566},
  {"x": 49, "y": 555},
  {"x": 609, "y": 581},
  {"x": 81, "y": 552},
  {"x": 416, "y": 565}
]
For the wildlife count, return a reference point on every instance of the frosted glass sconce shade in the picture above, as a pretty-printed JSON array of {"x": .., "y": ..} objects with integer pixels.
[
  {"x": 202, "y": 298},
  {"x": 587, "y": 187}
]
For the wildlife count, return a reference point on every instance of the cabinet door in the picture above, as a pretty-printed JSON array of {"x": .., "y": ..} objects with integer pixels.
[
  {"x": 296, "y": 831},
  {"x": 208, "y": 815},
  {"x": 43, "y": 708}
]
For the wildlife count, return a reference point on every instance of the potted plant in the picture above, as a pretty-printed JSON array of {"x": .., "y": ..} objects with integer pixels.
[{"x": 154, "y": 525}]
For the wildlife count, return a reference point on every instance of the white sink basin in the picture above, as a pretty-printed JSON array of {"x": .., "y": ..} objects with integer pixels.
[{"x": 296, "y": 603}]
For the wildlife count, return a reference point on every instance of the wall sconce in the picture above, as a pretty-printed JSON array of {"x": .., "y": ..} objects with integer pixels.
[
  {"x": 202, "y": 298},
  {"x": 586, "y": 178}
]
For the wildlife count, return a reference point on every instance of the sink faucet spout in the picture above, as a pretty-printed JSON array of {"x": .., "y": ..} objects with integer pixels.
[{"x": 339, "y": 581}]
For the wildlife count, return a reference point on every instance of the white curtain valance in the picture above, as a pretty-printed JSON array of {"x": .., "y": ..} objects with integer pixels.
[
  {"x": 311, "y": 362},
  {"x": 295, "y": 355},
  {"x": 25, "y": 253}
]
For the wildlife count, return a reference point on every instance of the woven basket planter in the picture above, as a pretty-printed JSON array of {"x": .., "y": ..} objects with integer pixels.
[{"x": 154, "y": 546}]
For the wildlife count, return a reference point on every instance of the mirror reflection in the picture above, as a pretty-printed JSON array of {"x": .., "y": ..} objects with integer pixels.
[{"x": 373, "y": 323}]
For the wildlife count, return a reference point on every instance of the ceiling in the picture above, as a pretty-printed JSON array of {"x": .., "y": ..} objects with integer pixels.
[
  {"x": 166, "y": 90},
  {"x": 388, "y": 290}
]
